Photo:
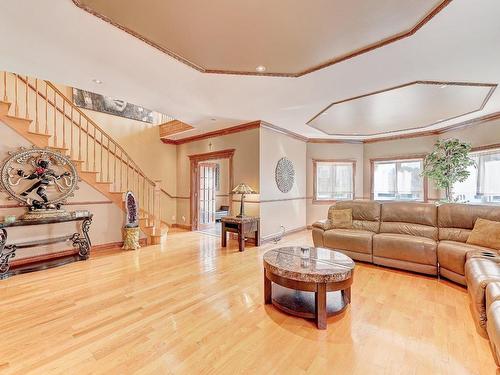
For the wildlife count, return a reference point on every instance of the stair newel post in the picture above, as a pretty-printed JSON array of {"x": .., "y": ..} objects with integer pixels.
[{"x": 157, "y": 206}]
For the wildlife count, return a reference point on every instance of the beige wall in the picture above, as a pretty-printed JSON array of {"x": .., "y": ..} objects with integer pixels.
[
  {"x": 222, "y": 195},
  {"x": 107, "y": 222},
  {"x": 277, "y": 208},
  {"x": 478, "y": 135},
  {"x": 245, "y": 168},
  {"x": 318, "y": 211}
]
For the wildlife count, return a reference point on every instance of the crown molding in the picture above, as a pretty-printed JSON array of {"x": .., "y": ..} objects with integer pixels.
[
  {"x": 333, "y": 61},
  {"x": 277, "y": 129}
]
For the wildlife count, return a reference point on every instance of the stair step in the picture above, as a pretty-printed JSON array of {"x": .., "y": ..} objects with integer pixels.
[
  {"x": 62, "y": 150},
  {"x": 104, "y": 182}
]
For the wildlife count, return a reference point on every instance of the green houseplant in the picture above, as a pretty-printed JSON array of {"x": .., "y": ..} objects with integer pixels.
[{"x": 447, "y": 164}]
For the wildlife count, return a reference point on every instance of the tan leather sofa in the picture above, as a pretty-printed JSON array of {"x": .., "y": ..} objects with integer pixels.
[
  {"x": 408, "y": 237},
  {"x": 356, "y": 242},
  {"x": 455, "y": 222},
  {"x": 425, "y": 238}
]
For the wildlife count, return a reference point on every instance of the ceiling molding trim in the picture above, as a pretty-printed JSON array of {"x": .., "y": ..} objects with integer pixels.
[
  {"x": 487, "y": 97},
  {"x": 333, "y": 61},
  {"x": 215, "y": 133},
  {"x": 287, "y": 132},
  {"x": 266, "y": 125}
]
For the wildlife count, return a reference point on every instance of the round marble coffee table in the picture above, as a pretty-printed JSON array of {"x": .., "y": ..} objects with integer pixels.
[{"x": 315, "y": 285}]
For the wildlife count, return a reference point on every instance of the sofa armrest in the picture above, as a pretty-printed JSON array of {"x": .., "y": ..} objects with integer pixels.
[{"x": 323, "y": 224}]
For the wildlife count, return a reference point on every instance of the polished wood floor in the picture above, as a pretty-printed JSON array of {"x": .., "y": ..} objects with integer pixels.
[{"x": 190, "y": 307}]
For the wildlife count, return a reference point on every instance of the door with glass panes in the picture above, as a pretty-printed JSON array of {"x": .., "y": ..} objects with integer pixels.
[{"x": 206, "y": 216}]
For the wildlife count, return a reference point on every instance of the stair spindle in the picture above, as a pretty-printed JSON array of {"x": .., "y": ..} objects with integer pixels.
[
  {"x": 26, "y": 109},
  {"x": 55, "y": 120},
  {"x": 5, "y": 98},
  {"x": 16, "y": 91},
  {"x": 37, "y": 124}
]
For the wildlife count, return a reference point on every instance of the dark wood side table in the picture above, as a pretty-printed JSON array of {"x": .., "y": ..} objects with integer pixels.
[
  {"x": 241, "y": 226},
  {"x": 80, "y": 241}
]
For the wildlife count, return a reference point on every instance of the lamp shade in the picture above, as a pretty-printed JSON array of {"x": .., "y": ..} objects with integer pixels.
[{"x": 243, "y": 189}]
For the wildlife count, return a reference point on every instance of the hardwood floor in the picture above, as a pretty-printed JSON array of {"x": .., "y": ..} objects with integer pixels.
[{"x": 190, "y": 307}]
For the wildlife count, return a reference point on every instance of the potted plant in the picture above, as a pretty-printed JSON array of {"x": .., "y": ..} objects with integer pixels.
[{"x": 448, "y": 164}]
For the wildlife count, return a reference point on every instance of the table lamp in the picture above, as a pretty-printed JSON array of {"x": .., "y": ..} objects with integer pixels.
[{"x": 243, "y": 189}]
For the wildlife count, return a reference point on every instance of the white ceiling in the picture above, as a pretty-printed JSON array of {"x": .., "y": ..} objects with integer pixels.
[
  {"x": 412, "y": 106},
  {"x": 287, "y": 36},
  {"x": 55, "y": 40}
]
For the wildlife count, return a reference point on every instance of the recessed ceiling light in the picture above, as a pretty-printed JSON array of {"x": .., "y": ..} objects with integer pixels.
[
  {"x": 443, "y": 86},
  {"x": 261, "y": 68},
  {"x": 98, "y": 81},
  {"x": 213, "y": 119}
]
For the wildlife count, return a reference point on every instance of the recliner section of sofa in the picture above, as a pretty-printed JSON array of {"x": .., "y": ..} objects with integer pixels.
[
  {"x": 357, "y": 242},
  {"x": 455, "y": 222},
  {"x": 407, "y": 238}
]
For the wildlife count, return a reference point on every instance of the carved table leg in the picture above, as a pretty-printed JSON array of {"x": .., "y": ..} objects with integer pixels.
[
  {"x": 83, "y": 242},
  {"x": 6, "y": 253}
]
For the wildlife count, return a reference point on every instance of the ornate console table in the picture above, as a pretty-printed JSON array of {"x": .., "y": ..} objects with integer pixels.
[{"x": 81, "y": 241}]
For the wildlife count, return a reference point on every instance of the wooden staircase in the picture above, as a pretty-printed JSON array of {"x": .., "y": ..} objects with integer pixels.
[{"x": 42, "y": 114}]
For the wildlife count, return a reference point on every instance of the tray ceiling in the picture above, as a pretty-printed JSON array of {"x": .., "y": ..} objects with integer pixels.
[
  {"x": 283, "y": 38},
  {"x": 410, "y": 106}
]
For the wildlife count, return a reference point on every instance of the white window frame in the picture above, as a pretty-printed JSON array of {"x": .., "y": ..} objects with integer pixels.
[
  {"x": 317, "y": 162},
  {"x": 398, "y": 161}
]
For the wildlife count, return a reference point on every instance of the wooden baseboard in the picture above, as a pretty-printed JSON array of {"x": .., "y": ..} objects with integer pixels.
[
  {"x": 181, "y": 226},
  {"x": 288, "y": 232}
]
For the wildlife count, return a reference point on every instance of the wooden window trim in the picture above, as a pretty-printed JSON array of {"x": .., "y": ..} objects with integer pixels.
[
  {"x": 331, "y": 201},
  {"x": 394, "y": 159}
]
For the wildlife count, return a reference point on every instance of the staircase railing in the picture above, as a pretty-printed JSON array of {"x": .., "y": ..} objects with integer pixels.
[{"x": 73, "y": 132}]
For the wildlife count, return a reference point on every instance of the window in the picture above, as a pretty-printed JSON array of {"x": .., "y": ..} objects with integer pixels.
[
  {"x": 483, "y": 183},
  {"x": 398, "y": 180},
  {"x": 334, "y": 180}
]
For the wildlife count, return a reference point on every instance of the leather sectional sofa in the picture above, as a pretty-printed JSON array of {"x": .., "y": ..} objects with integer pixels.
[{"x": 424, "y": 238}]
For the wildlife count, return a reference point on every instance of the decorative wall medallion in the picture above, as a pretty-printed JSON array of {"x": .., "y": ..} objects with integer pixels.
[
  {"x": 285, "y": 175},
  {"x": 132, "y": 219},
  {"x": 39, "y": 178}
]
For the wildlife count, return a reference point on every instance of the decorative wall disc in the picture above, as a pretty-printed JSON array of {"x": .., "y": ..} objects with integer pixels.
[
  {"x": 38, "y": 177},
  {"x": 285, "y": 175}
]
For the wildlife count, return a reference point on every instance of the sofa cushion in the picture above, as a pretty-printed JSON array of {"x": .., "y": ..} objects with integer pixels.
[
  {"x": 405, "y": 247},
  {"x": 365, "y": 213},
  {"x": 456, "y": 220},
  {"x": 479, "y": 272},
  {"x": 452, "y": 255},
  {"x": 359, "y": 241},
  {"x": 485, "y": 233},
  {"x": 341, "y": 218},
  {"x": 414, "y": 219}
]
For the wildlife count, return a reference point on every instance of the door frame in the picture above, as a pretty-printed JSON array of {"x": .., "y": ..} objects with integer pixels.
[{"x": 195, "y": 180}]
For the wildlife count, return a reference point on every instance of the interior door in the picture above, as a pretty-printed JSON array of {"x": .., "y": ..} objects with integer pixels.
[{"x": 206, "y": 208}]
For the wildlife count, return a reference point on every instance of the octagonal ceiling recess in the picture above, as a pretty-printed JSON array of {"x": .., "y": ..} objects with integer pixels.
[
  {"x": 410, "y": 106},
  {"x": 289, "y": 38}
]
